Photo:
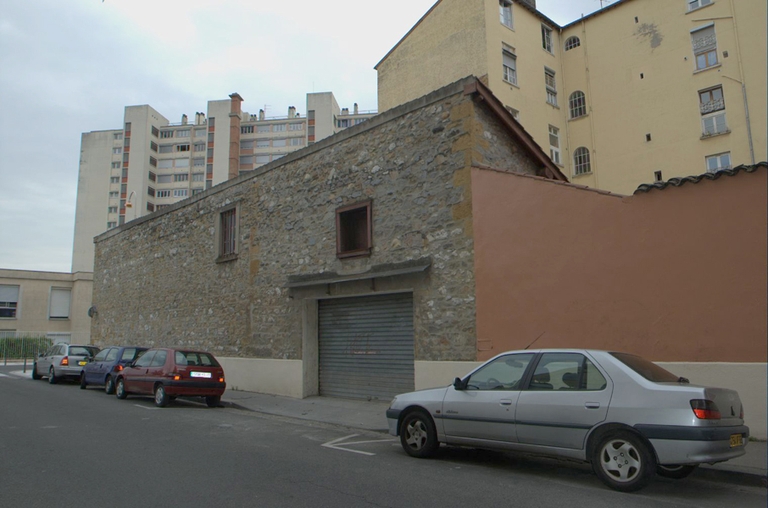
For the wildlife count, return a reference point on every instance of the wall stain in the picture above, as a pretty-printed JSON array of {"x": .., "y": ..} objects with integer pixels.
[{"x": 649, "y": 31}]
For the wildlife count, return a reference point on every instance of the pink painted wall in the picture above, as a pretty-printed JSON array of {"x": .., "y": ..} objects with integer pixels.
[{"x": 677, "y": 274}]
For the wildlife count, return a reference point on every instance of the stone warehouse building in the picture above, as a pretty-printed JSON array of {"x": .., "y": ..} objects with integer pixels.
[{"x": 400, "y": 252}]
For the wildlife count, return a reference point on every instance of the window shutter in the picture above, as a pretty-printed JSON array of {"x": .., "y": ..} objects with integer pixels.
[
  {"x": 9, "y": 294},
  {"x": 60, "y": 302},
  {"x": 704, "y": 39}
]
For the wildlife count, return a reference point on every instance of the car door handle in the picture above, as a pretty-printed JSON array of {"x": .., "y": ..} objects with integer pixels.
[
  {"x": 591, "y": 405},
  {"x": 505, "y": 402}
]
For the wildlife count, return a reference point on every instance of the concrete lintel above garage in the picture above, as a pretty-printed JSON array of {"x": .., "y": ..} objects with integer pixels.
[{"x": 376, "y": 271}]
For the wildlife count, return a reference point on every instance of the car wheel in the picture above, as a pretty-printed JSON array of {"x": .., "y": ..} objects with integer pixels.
[
  {"x": 109, "y": 385},
  {"x": 52, "y": 376},
  {"x": 418, "y": 435},
  {"x": 161, "y": 398},
  {"x": 213, "y": 400},
  {"x": 35, "y": 375},
  {"x": 623, "y": 461},
  {"x": 120, "y": 392},
  {"x": 676, "y": 472},
  {"x": 83, "y": 385}
]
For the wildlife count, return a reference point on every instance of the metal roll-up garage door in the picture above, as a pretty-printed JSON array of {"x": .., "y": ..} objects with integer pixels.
[{"x": 366, "y": 346}]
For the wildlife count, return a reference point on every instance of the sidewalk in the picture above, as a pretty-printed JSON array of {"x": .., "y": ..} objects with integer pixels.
[{"x": 750, "y": 468}]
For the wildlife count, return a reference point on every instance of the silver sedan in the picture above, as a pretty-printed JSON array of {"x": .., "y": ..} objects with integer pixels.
[{"x": 626, "y": 415}]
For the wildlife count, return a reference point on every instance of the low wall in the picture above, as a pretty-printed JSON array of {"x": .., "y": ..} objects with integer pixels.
[{"x": 276, "y": 377}]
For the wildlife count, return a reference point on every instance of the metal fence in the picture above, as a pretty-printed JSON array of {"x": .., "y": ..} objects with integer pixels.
[{"x": 23, "y": 346}]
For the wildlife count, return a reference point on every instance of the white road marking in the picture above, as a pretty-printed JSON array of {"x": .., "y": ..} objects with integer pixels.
[
  {"x": 3, "y": 375},
  {"x": 145, "y": 407},
  {"x": 337, "y": 444}
]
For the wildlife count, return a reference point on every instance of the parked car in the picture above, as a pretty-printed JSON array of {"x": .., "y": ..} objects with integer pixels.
[
  {"x": 168, "y": 373},
  {"x": 62, "y": 361},
  {"x": 105, "y": 366},
  {"x": 625, "y": 415}
]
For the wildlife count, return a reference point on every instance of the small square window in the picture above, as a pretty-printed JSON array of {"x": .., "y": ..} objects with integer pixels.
[{"x": 353, "y": 230}]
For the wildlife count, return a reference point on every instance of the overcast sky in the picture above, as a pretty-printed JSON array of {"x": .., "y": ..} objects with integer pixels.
[{"x": 71, "y": 66}]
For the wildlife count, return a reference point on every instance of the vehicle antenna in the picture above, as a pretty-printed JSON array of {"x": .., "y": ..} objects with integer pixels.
[{"x": 534, "y": 340}]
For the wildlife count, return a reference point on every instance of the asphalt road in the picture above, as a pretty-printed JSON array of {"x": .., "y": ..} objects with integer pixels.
[{"x": 61, "y": 447}]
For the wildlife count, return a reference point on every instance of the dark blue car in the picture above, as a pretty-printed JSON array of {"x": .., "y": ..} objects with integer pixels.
[{"x": 105, "y": 366}]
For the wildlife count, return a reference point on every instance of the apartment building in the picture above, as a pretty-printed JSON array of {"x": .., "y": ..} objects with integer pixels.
[
  {"x": 150, "y": 163},
  {"x": 52, "y": 305},
  {"x": 640, "y": 91}
]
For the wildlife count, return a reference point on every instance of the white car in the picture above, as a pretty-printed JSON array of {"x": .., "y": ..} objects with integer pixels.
[{"x": 626, "y": 415}]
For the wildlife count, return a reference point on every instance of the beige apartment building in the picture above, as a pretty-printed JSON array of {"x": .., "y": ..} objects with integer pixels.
[
  {"x": 151, "y": 163},
  {"x": 53, "y": 305},
  {"x": 640, "y": 91}
]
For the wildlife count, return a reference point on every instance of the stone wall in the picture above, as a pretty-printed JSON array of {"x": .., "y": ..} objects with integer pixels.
[{"x": 157, "y": 282}]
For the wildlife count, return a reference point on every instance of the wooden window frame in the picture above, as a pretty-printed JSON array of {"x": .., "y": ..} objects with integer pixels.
[{"x": 343, "y": 220}]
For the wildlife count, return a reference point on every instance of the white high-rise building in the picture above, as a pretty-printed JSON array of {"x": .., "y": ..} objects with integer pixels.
[{"x": 150, "y": 163}]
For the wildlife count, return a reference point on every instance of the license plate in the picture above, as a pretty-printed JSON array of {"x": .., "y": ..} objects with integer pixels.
[
  {"x": 82, "y": 362},
  {"x": 208, "y": 374},
  {"x": 737, "y": 440}
]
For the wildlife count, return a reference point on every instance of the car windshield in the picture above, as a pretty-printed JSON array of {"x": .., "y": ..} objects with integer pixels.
[
  {"x": 647, "y": 369},
  {"x": 195, "y": 359}
]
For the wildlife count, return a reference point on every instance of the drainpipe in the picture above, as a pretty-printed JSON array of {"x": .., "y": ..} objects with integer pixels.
[{"x": 743, "y": 85}]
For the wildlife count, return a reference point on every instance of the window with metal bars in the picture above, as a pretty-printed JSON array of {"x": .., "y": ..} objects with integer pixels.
[{"x": 228, "y": 234}]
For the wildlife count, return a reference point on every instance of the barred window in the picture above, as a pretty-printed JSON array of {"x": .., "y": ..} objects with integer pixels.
[
  {"x": 228, "y": 234},
  {"x": 572, "y": 42}
]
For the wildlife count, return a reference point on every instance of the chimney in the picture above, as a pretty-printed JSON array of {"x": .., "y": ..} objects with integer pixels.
[
  {"x": 355, "y": 108},
  {"x": 344, "y": 111},
  {"x": 261, "y": 115},
  {"x": 183, "y": 119},
  {"x": 291, "y": 112}
]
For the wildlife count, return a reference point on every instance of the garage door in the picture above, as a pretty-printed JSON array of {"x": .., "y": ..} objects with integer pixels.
[{"x": 366, "y": 346}]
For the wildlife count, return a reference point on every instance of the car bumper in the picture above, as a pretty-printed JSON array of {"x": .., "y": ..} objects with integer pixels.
[
  {"x": 194, "y": 388},
  {"x": 695, "y": 445},
  {"x": 70, "y": 371},
  {"x": 393, "y": 417}
]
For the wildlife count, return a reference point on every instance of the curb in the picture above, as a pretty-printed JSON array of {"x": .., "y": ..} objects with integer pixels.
[{"x": 732, "y": 477}]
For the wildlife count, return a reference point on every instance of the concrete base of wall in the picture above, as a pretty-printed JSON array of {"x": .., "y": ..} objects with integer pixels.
[
  {"x": 286, "y": 378},
  {"x": 276, "y": 377}
]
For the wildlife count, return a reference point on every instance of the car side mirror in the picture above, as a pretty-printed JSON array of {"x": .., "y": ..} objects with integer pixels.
[{"x": 458, "y": 384}]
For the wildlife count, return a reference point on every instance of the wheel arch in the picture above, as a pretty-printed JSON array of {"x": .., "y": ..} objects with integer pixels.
[
  {"x": 598, "y": 432},
  {"x": 412, "y": 409}
]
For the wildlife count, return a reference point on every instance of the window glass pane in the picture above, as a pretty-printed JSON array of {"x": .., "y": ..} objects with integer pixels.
[{"x": 504, "y": 373}]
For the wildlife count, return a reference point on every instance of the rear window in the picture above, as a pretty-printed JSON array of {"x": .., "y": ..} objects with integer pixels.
[
  {"x": 83, "y": 351},
  {"x": 195, "y": 359},
  {"x": 645, "y": 368}
]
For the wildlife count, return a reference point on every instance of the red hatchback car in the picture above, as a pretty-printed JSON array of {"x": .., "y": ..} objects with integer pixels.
[{"x": 168, "y": 373}]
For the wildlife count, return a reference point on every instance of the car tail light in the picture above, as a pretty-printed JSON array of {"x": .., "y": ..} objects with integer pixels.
[
  {"x": 221, "y": 379},
  {"x": 705, "y": 409},
  {"x": 65, "y": 361},
  {"x": 118, "y": 367},
  {"x": 176, "y": 377}
]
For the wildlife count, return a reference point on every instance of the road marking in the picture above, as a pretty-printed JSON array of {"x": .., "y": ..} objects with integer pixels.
[
  {"x": 3, "y": 375},
  {"x": 337, "y": 444},
  {"x": 145, "y": 407}
]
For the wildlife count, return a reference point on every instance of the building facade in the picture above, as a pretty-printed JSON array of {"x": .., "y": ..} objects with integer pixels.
[
  {"x": 640, "y": 91},
  {"x": 50, "y": 305},
  {"x": 152, "y": 163},
  {"x": 398, "y": 254}
]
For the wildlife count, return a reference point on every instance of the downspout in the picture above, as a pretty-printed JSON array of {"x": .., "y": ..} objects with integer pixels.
[
  {"x": 590, "y": 96},
  {"x": 743, "y": 85}
]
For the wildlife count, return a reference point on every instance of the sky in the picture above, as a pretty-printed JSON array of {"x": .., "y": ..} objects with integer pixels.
[{"x": 71, "y": 66}]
